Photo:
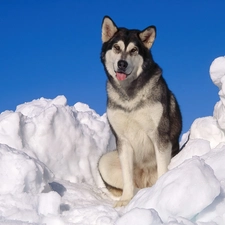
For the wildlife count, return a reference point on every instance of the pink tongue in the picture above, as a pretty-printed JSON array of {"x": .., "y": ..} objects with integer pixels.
[{"x": 121, "y": 76}]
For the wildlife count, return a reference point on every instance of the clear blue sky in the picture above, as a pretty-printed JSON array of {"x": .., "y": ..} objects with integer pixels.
[{"x": 50, "y": 48}]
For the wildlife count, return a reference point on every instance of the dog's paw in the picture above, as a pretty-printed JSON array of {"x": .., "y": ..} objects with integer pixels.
[{"x": 122, "y": 202}]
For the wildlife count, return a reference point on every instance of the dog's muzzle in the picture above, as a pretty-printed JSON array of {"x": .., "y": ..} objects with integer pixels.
[{"x": 121, "y": 72}]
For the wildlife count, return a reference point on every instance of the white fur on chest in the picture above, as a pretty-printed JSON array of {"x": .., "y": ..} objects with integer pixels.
[{"x": 130, "y": 125}]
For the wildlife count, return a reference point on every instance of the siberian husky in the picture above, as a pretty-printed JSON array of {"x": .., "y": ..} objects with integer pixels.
[{"x": 143, "y": 113}]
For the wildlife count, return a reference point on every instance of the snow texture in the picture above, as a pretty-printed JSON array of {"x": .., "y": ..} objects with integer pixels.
[{"x": 49, "y": 153}]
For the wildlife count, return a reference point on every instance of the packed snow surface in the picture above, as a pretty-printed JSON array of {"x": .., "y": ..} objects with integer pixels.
[{"x": 49, "y": 153}]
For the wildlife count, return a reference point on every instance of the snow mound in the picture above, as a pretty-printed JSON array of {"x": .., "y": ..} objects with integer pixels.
[
  {"x": 167, "y": 195},
  {"x": 27, "y": 175},
  {"x": 49, "y": 153},
  {"x": 68, "y": 140}
]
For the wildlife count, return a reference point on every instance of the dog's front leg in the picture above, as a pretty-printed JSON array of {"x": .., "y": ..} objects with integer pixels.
[
  {"x": 125, "y": 152},
  {"x": 163, "y": 157}
]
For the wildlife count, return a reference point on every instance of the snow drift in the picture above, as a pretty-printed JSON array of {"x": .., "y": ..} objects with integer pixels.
[{"x": 48, "y": 168}]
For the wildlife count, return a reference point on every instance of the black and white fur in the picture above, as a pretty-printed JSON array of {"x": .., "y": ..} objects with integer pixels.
[{"x": 143, "y": 113}]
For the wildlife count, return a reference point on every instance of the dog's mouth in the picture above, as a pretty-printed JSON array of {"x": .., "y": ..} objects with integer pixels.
[{"x": 121, "y": 76}]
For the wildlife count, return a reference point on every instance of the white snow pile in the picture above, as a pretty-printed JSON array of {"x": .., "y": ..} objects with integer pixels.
[{"x": 48, "y": 169}]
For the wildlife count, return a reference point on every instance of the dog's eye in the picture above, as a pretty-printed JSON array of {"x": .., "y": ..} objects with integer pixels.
[
  {"x": 133, "y": 50},
  {"x": 117, "y": 48}
]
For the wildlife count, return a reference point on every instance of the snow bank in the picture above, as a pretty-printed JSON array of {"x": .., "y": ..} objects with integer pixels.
[
  {"x": 174, "y": 196},
  {"x": 69, "y": 140},
  {"x": 48, "y": 168}
]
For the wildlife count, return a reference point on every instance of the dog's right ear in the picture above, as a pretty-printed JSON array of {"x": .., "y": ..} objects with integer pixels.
[
  {"x": 109, "y": 28},
  {"x": 148, "y": 36}
]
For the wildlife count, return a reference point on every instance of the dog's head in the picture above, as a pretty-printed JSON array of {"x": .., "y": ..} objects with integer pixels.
[{"x": 124, "y": 50}]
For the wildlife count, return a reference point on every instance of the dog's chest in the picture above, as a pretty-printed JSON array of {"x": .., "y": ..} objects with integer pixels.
[{"x": 129, "y": 124}]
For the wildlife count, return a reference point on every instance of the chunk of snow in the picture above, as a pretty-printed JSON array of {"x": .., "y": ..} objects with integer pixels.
[
  {"x": 139, "y": 216},
  {"x": 217, "y": 71},
  {"x": 49, "y": 203}
]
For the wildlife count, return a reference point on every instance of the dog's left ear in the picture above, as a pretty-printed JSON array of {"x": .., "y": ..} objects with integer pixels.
[
  {"x": 148, "y": 36},
  {"x": 109, "y": 28}
]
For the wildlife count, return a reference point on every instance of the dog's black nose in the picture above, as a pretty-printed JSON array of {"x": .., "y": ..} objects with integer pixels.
[{"x": 122, "y": 65}]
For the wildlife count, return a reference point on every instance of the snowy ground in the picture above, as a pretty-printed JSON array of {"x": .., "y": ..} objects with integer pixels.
[{"x": 48, "y": 169}]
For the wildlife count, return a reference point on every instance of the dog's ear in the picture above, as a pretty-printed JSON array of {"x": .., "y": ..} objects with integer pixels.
[
  {"x": 148, "y": 36},
  {"x": 109, "y": 28}
]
